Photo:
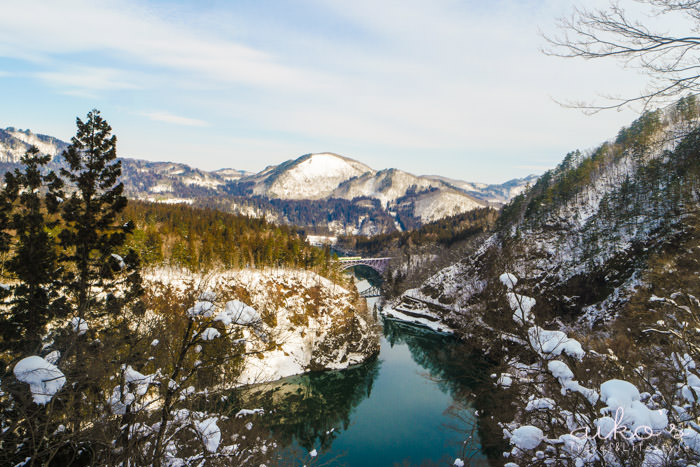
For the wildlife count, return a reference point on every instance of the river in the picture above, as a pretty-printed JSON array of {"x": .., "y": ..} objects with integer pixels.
[{"x": 410, "y": 405}]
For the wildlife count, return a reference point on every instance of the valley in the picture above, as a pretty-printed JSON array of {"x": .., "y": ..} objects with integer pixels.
[
  {"x": 571, "y": 284},
  {"x": 285, "y": 234}
]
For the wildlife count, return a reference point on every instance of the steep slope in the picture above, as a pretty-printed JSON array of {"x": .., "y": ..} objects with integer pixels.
[
  {"x": 164, "y": 180},
  {"x": 289, "y": 303},
  {"x": 580, "y": 237},
  {"x": 437, "y": 204},
  {"x": 416, "y": 200},
  {"x": 386, "y": 185},
  {"x": 229, "y": 174}
]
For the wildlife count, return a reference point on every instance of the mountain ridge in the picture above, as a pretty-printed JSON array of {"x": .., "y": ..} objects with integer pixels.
[{"x": 408, "y": 200}]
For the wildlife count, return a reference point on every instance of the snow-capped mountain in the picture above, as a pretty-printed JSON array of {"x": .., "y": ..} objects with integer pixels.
[
  {"x": 312, "y": 176},
  {"x": 495, "y": 194},
  {"x": 14, "y": 143},
  {"x": 411, "y": 200},
  {"x": 385, "y": 185},
  {"x": 366, "y": 201},
  {"x": 433, "y": 205},
  {"x": 231, "y": 174},
  {"x": 143, "y": 178}
]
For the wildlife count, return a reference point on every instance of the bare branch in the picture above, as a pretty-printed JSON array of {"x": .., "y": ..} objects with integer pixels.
[{"x": 671, "y": 61}]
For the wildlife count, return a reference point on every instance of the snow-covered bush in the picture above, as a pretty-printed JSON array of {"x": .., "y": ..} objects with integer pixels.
[
  {"x": 173, "y": 415},
  {"x": 580, "y": 407},
  {"x": 150, "y": 393}
]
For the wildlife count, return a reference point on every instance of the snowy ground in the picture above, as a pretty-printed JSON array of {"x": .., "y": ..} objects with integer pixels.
[{"x": 420, "y": 317}]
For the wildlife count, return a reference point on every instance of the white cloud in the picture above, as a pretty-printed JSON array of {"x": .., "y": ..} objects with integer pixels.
[
  {"x": 133, "y": 33},
  {"x": 86, "y": 78},
  {"x": 167, "y": 117},
  {"x": 446, "y": 75}
]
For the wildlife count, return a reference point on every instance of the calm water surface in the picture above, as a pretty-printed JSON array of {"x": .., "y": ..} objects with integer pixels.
[{"x": 400, "y": 408}]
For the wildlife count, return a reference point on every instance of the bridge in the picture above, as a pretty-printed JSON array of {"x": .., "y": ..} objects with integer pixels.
[
  {"x": 378, "y": 264},
  {"x": 371, "y": 292}
]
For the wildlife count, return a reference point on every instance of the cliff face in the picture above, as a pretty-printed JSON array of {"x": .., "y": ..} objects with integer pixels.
[
  {"x": 580, "y": 237},
  {"x": 307, "y": 322}
]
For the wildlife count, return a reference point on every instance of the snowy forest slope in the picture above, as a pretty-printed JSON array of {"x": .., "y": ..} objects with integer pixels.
[{"x": 581, "y": 237}]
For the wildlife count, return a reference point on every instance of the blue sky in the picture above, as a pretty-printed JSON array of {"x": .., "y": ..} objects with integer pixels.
[{"x": 447, "y": 87}]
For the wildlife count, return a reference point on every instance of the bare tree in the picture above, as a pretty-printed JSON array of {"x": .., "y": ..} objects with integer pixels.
[{"x": 671, "y": 60}]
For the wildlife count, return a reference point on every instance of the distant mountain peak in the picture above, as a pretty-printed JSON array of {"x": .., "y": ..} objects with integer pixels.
[{"x": 311, "y": 176}]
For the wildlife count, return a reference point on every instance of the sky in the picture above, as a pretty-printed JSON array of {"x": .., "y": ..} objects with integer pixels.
[{"x": 441, "y": 87}]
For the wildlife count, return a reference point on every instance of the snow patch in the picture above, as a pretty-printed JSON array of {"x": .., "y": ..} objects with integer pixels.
[
  {"x": 44, "y": 378},
  {"x": 79, "y": 325},
  {"x": 526, "y": 437},
  {"x": 210, "y": 334}
]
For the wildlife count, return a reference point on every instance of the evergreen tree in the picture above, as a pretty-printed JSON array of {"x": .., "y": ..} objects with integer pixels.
[
  {"x": 30, "y": 215},
  {"x": 90, "y": 237}
]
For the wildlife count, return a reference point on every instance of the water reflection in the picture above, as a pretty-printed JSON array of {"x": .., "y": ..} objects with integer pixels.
[
  {"x": 412, "y": 405},
  {"x": 461, "y": 372},
  {"x": 311, "y": 409},
  {"x": 453, "y": 365}
]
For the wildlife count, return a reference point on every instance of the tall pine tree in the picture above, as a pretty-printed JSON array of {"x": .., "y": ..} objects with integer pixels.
[
  {"x": 90, "y": 237},
  {"x": 30, "y": 214}
]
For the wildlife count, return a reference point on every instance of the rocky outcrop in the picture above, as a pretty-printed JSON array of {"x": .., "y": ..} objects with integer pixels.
[{"x": 307, "y": 323}]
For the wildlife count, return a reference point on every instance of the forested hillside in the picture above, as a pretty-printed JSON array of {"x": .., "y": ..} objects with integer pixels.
[
  {"x": 586, "y": 294},
  {"x": 418, "y": 254},
  {"x": 323, "y": 216},
  {"x": 581, "y": 236},
  {"x": 445, "y": 233},
  {"x": 181, "y": 235}
]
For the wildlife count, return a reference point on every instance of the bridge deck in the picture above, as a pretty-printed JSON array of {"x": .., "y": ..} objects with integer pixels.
[
  {"x": 348, "y": 259},
  {"x": 378, "y": 264}
]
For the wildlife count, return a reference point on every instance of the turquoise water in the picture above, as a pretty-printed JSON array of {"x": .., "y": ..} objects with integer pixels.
[{"x": 404, "y": 407}]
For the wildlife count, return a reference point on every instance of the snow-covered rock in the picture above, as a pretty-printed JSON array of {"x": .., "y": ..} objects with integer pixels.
[
  {"x": 543, "y": 403},
  {"x": 509, "y": 280},
  {"x": 553, "y": 343},
  {"x": 202, "y": 308},
  {"x": 505, "y": 380},
  {"x": 210, "y": 334},
  {"x": 79, "y": 325},
  {"x": 119, "y": 260},
  {"x": 237, "y": 312},
  {"x": 522, "y": 308},
  {"x": 209, "y": 433}
]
